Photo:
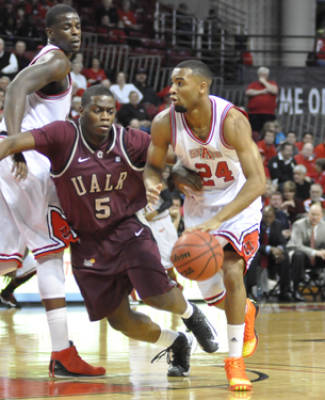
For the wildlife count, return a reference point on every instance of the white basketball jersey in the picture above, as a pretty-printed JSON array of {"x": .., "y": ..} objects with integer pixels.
[
  {"x": 215, "y": 161},
  {"x": 43, "y": 109}
]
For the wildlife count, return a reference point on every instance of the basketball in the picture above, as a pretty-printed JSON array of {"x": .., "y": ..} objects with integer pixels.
[{"x": 197, "y": 255}]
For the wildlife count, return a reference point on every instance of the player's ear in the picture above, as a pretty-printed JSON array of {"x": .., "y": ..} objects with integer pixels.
[{"x": 49, "y": 33}]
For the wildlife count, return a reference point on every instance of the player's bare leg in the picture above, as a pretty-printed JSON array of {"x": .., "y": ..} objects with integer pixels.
[
  {"x": 65, "y": 361},
  {"x": 139, "y": 326},
  {"x": 193, "y": 318},
  {"x": 235, "y": 303}
]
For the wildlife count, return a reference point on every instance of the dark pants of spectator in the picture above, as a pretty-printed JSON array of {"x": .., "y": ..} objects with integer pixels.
[
  {"x": 258, "y": 120},
  {"x": 280, "y": 268},
  {"x": 299, "y": 262}
]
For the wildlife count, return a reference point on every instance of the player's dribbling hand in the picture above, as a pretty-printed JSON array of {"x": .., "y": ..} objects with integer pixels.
[
  {"x": 19, "y": 168},
  {"x": 153, "y": 194}
]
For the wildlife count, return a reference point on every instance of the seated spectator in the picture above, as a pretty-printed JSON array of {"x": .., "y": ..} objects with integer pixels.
[
  {"x": 315, "y": 196},
  {"x": 79, "y": 81},
  {"x": 8, "y": 61},
  {"x": 306, "y": 157},
  {"x": 23, "y": 61},
  {"x": 149, "y": 95},
  {"x": 127, "y": 17},
  {"x": 320, "y": 168},
  {"x": 75, "y": 108},
  {"x": 319, "y": 151},
  {"x": 306, "y": 138},
  {"x": 272, "y": 255},
  {"x": 121, "y": 90},
  {"x": 270, "y": 188},
  {"x": 276, "y": 201},
  {"x": 94, "y": 74},
  {"x": 291, "y": 205},
  {"x": 267, "y": 144},
  {"x": 320, "y": 48},
  {"x": 107, "y": 8},
  {"x": 280, "y": 137},
  {"x": 176, "y": 213},
  {"x": 281, "y": 166},
  {"x": 4, "y": 82},
  {"x": 307, "y": 244},
  {"x": 134, "y": 109},
  {"x": 292, "y": 139},
  {"x": 302, "y": 182}
]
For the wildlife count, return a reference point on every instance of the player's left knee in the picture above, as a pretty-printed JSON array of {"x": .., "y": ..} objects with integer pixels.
[
  {"x": 172, "y": 301},
  {"x": 233, "y": 276}
]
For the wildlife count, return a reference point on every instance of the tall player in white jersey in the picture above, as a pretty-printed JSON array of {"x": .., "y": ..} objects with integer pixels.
[
  {"x": 29, "y": 209},
  {"x": 213, "y": 138}
]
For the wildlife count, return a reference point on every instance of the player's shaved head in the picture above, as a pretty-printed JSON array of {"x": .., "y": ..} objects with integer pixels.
[
  {"x": 198, "y": 68},
  {"x": 55, "y": 12},
  {"x": 96, "y": 90}
]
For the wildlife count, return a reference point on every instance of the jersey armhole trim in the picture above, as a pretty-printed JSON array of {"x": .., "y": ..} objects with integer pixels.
[
  {"x": 173, "y": 131},
  {"x": 222, "y": 122},
  {"x": 125, "y": 154}
]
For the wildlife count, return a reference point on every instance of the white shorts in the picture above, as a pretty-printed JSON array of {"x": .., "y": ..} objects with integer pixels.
[
  {"x": 165, "y": 234},
  {"x": 29, "y": 211}
]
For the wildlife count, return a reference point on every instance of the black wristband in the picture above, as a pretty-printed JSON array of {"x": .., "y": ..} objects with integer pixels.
[{"x": 19, "y": 157}]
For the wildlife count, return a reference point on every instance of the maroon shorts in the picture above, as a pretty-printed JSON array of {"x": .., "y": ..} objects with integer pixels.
[{"x": 104, "y": 291}]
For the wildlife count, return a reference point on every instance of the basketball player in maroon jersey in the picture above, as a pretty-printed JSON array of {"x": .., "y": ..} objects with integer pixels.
[
  {"x": 213, "y": 138},
  {"x": 97, "y": 169},
  {"x": 40, "y": 94}
]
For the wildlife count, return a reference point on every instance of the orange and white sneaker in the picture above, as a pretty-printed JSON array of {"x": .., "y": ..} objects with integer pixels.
[
  {"x": 236, "y": 374},
  {"x": 250, "y": 335}
]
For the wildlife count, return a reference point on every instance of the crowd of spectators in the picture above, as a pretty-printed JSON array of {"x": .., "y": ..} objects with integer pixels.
[{"x": 295, "y": 193}]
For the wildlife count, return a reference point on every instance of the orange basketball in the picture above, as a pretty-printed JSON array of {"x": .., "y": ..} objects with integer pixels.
[{"x": 197, "y": 255}]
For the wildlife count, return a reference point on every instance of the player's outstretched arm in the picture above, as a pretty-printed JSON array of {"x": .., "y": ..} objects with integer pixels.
[
  {"x": 53, "y": 68},
  {"x": 16, "y": 144},
  {"x": 156, "y": 156}
]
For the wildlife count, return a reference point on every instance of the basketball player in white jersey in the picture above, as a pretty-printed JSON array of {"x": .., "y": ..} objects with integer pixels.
[
  {"x": 29, "y": 209},
  {"x": 213, "y": 138}
]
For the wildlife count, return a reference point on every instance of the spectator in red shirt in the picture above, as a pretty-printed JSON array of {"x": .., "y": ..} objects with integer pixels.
[
  {"x": 319, "y": 151},
  {"x": 261, "y": 99},
  {"x": 306, "y": 138},
  {"x": 267, "y": 145},
  {"x": 95, "y": 74},
  {"x": 127, "y": 17},
  {"x": 307, "y": 158},
  {"x": 320, "y": 168},
  {"x": 320, "y": 48}
]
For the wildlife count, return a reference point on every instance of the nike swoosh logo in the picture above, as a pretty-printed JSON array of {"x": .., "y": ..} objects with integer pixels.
[
  {"x": 139, "y": 232},
  {"x": 80, "y": 159}
]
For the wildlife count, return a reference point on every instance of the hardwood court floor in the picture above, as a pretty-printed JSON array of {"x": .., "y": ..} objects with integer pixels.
[{"x": 289, "y": 363}]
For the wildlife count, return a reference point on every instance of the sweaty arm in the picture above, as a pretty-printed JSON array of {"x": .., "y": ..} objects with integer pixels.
[
  {"x": 156, "y": 156},
  {"x": 237, "y": 133},
  {"x": 53, "y": 67}
]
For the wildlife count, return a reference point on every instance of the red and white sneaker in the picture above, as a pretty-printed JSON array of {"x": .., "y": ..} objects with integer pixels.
[{"x": 67, "y": 363}]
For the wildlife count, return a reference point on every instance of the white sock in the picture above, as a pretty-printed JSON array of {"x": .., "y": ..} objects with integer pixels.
[
  {"x": 166, "y": 338},
  {"x": 189, "y": 311},
  {"x": 235, "y": 339},
  {"x": 58, "y": 326}
]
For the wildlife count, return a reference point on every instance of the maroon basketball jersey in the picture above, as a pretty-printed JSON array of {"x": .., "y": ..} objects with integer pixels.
[{"x": 99, "y": 187}]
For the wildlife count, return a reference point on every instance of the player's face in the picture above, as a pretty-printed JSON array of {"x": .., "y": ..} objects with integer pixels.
[
  {"x": 185, "y": 90},
  {"x": 66, "y": 33},
  {"x": 97, "y": 118}
]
